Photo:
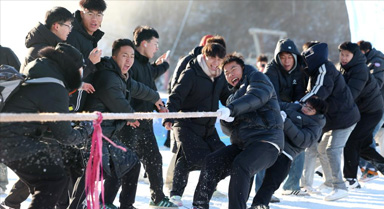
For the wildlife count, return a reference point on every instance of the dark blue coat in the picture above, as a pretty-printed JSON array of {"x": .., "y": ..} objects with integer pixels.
[
  {"x": 328, "y": 84},
  {"x": 254, "y": 105}
]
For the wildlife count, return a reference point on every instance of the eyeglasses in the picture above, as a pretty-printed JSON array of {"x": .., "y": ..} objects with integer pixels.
[
  {"x": 92, "y": 15},
  {"x": 69, "y": 26},
  {"x": 308, "y": 107}
]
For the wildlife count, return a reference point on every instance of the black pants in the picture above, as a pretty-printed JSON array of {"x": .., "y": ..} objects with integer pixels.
[
  {"x": 143, "y": 142},
  {"x": 112, "y": 184},
  {"x": 45, "y": 176},
  {"x": 193, "y": 147},
  {"x": 358, "y": 144},
  {"x": 274, "y": 176},
  {"x": 242, "y": 165}
]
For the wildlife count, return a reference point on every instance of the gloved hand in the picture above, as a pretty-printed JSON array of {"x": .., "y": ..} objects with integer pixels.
[
  {"x": 283, "y": 115},
  {"x": 225, "y": 114},
  {"x": 88, "y": 126}
]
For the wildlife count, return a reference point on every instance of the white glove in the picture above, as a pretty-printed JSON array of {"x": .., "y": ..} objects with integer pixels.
[
  {"x": 225, "y": 114},
  {"x": 283, "y": 115}
]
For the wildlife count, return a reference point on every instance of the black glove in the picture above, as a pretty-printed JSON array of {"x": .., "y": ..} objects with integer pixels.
[{"x": 88, "y": 126}]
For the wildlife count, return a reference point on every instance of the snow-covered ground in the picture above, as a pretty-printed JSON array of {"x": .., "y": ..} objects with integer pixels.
[{"x": 371, "y": 195}]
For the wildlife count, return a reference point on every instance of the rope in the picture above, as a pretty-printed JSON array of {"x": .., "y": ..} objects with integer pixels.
[{"x": 51, "y": 117}]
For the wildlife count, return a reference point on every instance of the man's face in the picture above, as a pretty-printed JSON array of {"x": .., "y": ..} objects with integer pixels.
[
  {"x": 287, "y": 60},
  {"x": 91, "y": 20},
  {"x": 62, "y": 30},
  {"x": 261, "y": 66},
  {"x": 151, "y": 47},
  {"x": 307, "y": 109},
  {"x": 233, "y": 73},
  {"x": 213, "y": 63},
  {"x": 345, "y": 57},
  {"x": 125, "y": 58}
]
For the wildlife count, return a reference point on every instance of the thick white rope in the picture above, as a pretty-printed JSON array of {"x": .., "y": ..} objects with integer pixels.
[{"x": 50, "y": 117}]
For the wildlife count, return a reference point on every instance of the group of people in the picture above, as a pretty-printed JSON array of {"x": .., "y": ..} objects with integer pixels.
[{"x": 279, "y": 116}]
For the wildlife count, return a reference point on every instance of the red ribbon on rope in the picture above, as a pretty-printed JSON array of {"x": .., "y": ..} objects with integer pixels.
[{"x": 94, "y": 170}]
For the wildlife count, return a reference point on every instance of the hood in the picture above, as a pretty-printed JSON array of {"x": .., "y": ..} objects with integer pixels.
[
  {"x": 41, "y": 35},
  {"x": 287, "y": 45},
  {"x": 97, "y": 35},
  {"x": 196, "y": 51},
  {"x": 373, "y": 54},
  {"x": 315, "y": 56},
  {"x": 43, "y": 67}
]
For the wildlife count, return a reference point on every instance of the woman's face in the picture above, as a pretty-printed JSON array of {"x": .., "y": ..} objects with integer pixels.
[{"x": 345, "y": 57}]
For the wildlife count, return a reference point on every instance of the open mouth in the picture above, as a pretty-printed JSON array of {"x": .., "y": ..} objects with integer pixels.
[{"x": 235, "y": 81}]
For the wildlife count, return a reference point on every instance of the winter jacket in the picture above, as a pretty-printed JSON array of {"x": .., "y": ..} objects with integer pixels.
[
  {"x": 182, "y": 65},
  {"x": 300, "y": 130},
  {"x": 23, "y": 139},
  {"x": 8, "y": 57},
  {"x": 195, "y": 92},
  {"x": 39, "y": 37},
  {"x": 144, "y": 72},
  {"x": 85, "y": 43},
  {"x": 362, "y": 84},
  {"x": 254, "y": 105},
  {"x": 328, "y": 84},
  {"x": 290, "y": 85},
  {"x": 112, "y": 95},
  {"x": 375, "y": 63}
]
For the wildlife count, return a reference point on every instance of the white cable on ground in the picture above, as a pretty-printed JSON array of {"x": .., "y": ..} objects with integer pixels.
[{"x": 49, "y": 117}]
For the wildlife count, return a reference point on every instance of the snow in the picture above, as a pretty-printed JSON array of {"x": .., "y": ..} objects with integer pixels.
[{"x": 371, "y": 195}]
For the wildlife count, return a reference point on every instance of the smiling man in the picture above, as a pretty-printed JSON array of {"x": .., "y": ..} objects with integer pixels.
[
  {"x": 255, "y": 127},
  {"x": 199, "y": 88}
]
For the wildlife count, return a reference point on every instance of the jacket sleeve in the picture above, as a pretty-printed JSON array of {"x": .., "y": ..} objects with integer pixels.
[
  {"x": 57, "y": 101},
  {"x": 357, "y": 79},
  {"x": 324, "y": 84},
  {"x": 377, "y": 70},
  {"x": 180, "y": 91},
  {"x": 158, "y": 70},
  {"x": 271, "y": 72},
  {"x": 142, "y": 91},
  {"x": 112, "y": 95},
  {"x": 258, "y": 93},
  {"x": 301, "y": 137}
]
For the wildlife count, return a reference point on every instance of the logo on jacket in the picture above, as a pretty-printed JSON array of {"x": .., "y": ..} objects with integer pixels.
[
  {"x": 298, "y": 117},
  {"x": 294, "y": 82},
  {"x": 377, "y": 64}
]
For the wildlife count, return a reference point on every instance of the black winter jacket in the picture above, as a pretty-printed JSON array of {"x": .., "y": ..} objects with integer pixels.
[
  {"x": 112, "y": 95},
  {"x": 85, "y": 43},
  {"x": 144, "y": 72},
  {"x": 362, "y": 84},
  {"x": 39, "y": 37},
  {"x": 182, "y": 65},
  {"x": 289, "y": 86},
  {"x": 21, "y": 140},
  {"x": 300, "y": 130},
  {"x": 328, "y": 84},
  {"x": 254, "y": 105},
  {"x": 375, "y": 63},
  {"x": 196, "y": 92}
]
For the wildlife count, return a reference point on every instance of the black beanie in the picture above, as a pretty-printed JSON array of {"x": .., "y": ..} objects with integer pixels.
[
  {"x": 76, "y": 56},
  {"x": 352, "y": 47}
]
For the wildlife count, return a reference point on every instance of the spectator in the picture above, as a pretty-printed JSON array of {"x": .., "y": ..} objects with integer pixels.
[{"x": 261, "y": 62}]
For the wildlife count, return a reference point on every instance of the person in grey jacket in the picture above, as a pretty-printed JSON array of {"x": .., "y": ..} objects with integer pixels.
[
  {"x": 252, "y": 120},
  {"x": 302, "y": 127}
]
